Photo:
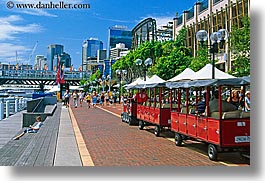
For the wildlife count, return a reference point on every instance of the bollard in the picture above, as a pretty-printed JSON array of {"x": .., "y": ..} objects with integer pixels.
[
  {"x": 1, "y": 111},
  {"x": 16, "y": 105},
  {"x": 7, "y": 108}
]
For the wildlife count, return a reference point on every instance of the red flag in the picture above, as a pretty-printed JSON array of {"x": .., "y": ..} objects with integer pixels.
[
  {"x": 62, "y": 75},
  {"x": 58, "y": 76}
]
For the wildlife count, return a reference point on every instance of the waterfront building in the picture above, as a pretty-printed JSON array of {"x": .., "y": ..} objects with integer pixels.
[
  {"x": 40, "y": 62},
  {"x": 212, "y": 15},
  {"x": 90, "y": 49},
  {"x": 119, "y": 34},
  {"x": 115, "y": 53},
  {"x": 165, "y": 32},
  {"x": 65, "y": 59},
  {"x": 53, "y": 50},
  {"x": 144, "y": 31}
]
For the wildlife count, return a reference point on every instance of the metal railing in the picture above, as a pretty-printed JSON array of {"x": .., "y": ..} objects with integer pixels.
[
  {"x": 24, "y": 74},
  {"x": 10, "y": 106}
]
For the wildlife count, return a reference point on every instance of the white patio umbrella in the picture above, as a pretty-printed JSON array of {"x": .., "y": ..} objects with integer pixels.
[
  {"x": 187, "y": 74},
  {"x": 206, "y": 73}
]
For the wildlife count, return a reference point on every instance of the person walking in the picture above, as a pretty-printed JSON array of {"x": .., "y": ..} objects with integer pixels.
[
  {"x": 94, "y": 99},
  {"x": 67, "y": 97},
  {"x": 75, "y": 96},
  {"x": 102, "y": 99},
  {"x": 81, "y": 98},
  {"x": 88, "y": 100}
]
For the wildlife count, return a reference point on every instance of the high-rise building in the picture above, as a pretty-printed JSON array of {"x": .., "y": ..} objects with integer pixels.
[
  {"x": 119, "y": 34},
  {"x": 102, "y": 55},
  {"x": 40, "y": 62},
  {"x": 65, "y": 59},
  {"x": 53, "y": 50},
  {"x": 90, "y": 52},
  {"x": 115, "y": 53},
  {"x": 91, "y": 47}
]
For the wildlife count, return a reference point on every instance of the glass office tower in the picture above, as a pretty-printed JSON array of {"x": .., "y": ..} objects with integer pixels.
[{"x": 119, "y": 34}]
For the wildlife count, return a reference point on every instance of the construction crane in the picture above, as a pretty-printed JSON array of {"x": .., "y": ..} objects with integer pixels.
[{"x": 32, "y": 52}]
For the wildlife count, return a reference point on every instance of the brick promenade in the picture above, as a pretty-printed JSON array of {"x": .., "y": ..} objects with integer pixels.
[{"x": 111, "y": 142}]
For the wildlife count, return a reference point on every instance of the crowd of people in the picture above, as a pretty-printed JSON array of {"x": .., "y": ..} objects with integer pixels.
[
  {"x": 92, "y": 99},
  {"x": 237, "y": 100}
]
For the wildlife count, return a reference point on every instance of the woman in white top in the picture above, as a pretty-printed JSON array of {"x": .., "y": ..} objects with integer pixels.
[{"x": 31, "y": 129}]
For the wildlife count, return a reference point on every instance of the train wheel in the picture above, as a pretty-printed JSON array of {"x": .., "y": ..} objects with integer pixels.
[
  {"x": 157, "y": 130},
  {"x": 212, "y": 152},
  {"x": 130, "y": 120},
  {"x": 141, "y": 125},
  {"x": 178, "y": 139}
]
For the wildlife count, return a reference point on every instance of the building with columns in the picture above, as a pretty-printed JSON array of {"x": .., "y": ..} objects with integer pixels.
[{"x": 212, "y": 15}]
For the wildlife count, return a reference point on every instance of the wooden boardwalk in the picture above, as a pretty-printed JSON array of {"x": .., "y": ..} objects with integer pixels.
[
  {"x": 34, "y": 149},
  {"x": 9, "y": 127}
]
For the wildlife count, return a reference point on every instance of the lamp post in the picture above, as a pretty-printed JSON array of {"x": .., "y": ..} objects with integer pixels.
[
  {"x": 216, "y": 38},
  {"x": 120, "y": 74},
  {"x": 108, "y": 79},
  {"x": 102, "y": 81},
  {"x": 145, "y": 65}
]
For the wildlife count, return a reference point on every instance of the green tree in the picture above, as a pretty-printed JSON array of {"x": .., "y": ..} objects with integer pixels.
[
  {"x": 175, "y": 57},
  {"x": 239, "y": 40},
  {"x": 200, "y": 60}
]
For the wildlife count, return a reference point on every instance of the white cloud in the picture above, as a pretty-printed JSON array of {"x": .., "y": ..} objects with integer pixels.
[
  {"x": 11, "y": 27},
  {"x": 9, "y": 51}
]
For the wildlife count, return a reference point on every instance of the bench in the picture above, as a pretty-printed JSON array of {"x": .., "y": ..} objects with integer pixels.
[
  {"x": 226, "y": 115},
  {"x": 33, "y": 149}
]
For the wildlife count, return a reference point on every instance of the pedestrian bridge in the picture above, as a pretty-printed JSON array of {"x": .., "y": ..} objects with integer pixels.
[{"x": 35, "y": 77}]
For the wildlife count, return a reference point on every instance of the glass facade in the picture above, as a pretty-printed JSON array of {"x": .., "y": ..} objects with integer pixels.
[
  {"x": 91, "y": 47},
  {"x": 52, "y": 51},
  {"x": 118, "y": 35}
]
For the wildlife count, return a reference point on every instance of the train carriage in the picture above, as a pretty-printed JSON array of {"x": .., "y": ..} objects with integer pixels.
[{"x": 222, "y": 130}]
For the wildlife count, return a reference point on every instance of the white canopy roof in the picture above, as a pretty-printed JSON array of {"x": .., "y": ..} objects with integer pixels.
[
  {"x": 206, "y": 73},
  {"x": 187, "y": 74},
  {"x": 136, "y": 82},
  {"x": 154, "y": 80}
]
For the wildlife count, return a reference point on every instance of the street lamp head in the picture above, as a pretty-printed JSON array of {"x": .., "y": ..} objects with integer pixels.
[
  {"x": 148, "y": 62},
  {"x": 215, "y": 37},
  {"x": 224, "y": 34},
  {"x": 138, "y": 62},
  {"x": 202, "y": 35},
  {"x": 124, "y": 72},
  {"x": 118, "y": 72}
]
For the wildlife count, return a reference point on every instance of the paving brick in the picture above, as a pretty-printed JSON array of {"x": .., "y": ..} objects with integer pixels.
[{"x": 111, "y": 142}]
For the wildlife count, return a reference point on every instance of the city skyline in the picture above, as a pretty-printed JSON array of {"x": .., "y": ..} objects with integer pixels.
[{"x": 22, "y": 28}]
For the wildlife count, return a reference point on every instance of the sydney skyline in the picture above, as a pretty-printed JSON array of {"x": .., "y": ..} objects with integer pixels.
[{"x": 20, "y": 29}]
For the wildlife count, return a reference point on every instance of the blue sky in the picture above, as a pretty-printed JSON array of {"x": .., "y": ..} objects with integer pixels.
[{"x": 20, "y": 29}]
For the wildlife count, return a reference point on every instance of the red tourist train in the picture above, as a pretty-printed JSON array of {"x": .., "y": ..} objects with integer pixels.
[{"x": 175, "y": 106}]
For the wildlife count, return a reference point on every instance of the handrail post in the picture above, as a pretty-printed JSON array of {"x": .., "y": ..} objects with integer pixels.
[
  {"x": 16, "y": 105},
  {"x": 7, "y": 108},
  {"x": 1, "y": 111}
]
